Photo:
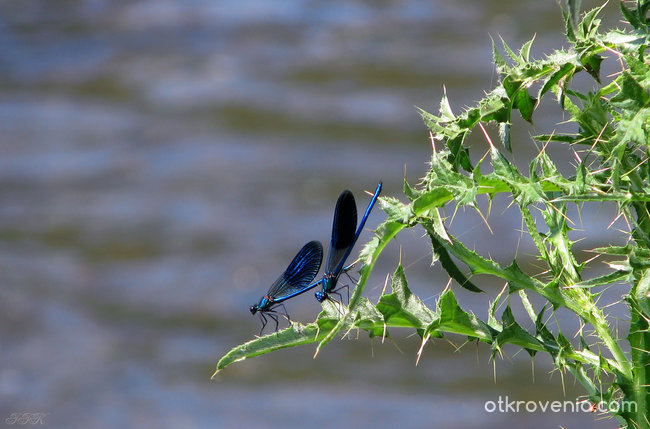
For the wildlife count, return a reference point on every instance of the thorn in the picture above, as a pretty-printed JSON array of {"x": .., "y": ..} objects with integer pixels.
[
  {"x": 385, "y": 283},
  {"x": 563, "y": 215},
  {"x": 348, "y": 331},
  {"x": 532, "y": 369},
  {"x": 433, "y": 142},
  {"x": 424, "y": 341},
  {"x": 395, "y": 345},
  {"x": 448, "y": 285},
  {"x": 487, "y": 137},
  {"x": 615, "y": 219},
  {"x": 635, "y": 168},
  {"x": 600, "y": 134},
  {"x": 577, "y": 157},
  {"x": 451, "y": 343},
  {"x": 484, "y": 156},
  {"x": 317, "y": 331},
  {"x": 453, "y": 216},
  {"x": 485, "y": 221}
]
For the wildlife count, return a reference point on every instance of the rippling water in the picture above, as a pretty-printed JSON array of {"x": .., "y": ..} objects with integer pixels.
[{"x": 162, "y": 161}]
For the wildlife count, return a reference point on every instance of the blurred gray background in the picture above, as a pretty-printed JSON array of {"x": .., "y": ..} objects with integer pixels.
[{"x": 161, "y": 162}]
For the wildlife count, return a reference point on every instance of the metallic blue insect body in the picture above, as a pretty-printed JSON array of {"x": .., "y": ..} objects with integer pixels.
[
  {"x": 293, "y": 281},
  {"x": 344, "y": 236}
]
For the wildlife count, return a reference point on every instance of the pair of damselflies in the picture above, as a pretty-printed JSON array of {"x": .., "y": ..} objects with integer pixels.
[{"x": 298, "y": 276}]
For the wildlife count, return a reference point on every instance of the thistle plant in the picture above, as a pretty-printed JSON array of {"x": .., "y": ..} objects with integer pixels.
[{"x": 611, "y": 149}]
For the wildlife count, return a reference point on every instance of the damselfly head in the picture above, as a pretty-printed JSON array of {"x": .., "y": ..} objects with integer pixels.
[
  {"x": 254, "y": 308},
  {"x": 320, "y": 296}
]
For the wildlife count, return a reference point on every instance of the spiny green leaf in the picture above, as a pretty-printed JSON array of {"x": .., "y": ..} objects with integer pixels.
[
  {"x": 504, "y": 135},
  {"x": 634, "y": 93},
  {"x": 527, "y": 305},
  {"x": 570, "y": 15},
  {"x": 512, "y": 333},
  {"x": 524, "y": 53},
  {"x": 512, "y": 84},
  {"x": 450, "y": 267},
  {"x": 524, "y": 190},
  {"x": 369, "y": 318},
  {"x": 492, "y": 319},
  {"x": 565, "y": 71},
  {"x": 395, "y": 209},
  {"x": 513, "y": 56},
  {"x": 294, "y": 335},
  {"x": 440, "y": 241},
  {"x": 430, "y": 199},
  {"x": 401, "y": 307},
  {"x": 446, "y": 113},
  {"x": 451, "y": 318},
  {"x": 498, "y": 59},
  {"x": 627, "y": 42},
  {"x": 494, "y": 107},
  {"x": 525, "y": 104},
  {"x": 590, "y": 23},
  {"x": 591, "y": 64},
  {"x": 606, "y": 279},
  {"x": 642, "y": 292},
  {"x": 560, "y": 138},
  {"x": 615, "y": 250},
  {"x": 410, "y": 193},
  {"x": 573, "y": 10}
]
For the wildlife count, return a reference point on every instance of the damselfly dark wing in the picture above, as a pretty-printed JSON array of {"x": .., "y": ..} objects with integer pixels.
[
  {"x": 300, "y": 272},
  {"x": 343, "y": 239},
  {"x": 343, "y": 231}
]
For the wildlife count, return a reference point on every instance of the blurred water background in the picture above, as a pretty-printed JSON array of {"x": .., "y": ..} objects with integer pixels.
[{"x": 161, "y": 163}]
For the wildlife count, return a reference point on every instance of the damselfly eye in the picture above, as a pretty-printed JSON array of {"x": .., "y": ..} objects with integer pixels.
[{"x": 253, "y": 309}]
